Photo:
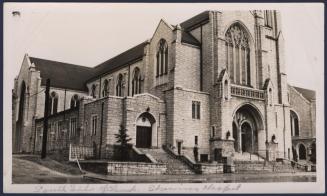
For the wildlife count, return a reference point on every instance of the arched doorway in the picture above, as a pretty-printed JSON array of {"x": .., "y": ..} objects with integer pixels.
[
  {"x": 247, "y": 137},
  {"x": 302, "y": 152},
  {"x": 247, "y": 129},
  {"x": 145, "y": 125},
  {"x": 20, "y": 121}
]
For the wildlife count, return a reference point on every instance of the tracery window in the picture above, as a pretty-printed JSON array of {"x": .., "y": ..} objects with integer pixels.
[
  {"x": 136, "y": 82},
  {"x": 238, "y": 55},
  {"x": 268, "y": 18},
  {"x": 162, "y": 58},
  {"x": 53, "y": 103}
]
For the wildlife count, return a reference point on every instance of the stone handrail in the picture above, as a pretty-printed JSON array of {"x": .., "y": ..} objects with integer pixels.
[
  {"x": 143, "y": 156},
  {"x": 184, "y": 158},
  {"x": 246, "y": 92}
]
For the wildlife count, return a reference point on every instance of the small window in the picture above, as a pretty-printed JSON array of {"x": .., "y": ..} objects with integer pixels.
[
  {"x": 73, "y": 126},
  {"x": 74, "y": 102},
  {"x": 196, "y": 109},
  {"x": 94, "y": 125},
  {"x": 196, "y": 140},
  {"x": 204, "y": 158},
  {"x": 213, "y": 131}
]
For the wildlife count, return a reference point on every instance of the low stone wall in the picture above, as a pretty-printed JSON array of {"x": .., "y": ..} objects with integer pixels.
[
  {"x": 123, "y": 168},
  {"x": 135, "y": 168},
  {"x": 211, "y": 168}
]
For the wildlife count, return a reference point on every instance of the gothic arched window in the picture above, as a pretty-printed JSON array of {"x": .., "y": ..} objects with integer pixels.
[
  {"x": 162, "y": 58},
  {"x": 238, "y": 55},
  {"x": 74, "y": 102},
  {"x": 93, "y": 89},
  {"x": 119, "y": 85},
  {"x": 105, "y": 91},
  {"x": 294, "y": 124},
  {"x": 136, "y": 82},
  {"x": 53, "y": 103}
]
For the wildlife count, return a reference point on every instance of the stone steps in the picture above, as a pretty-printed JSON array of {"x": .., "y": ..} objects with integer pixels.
[{"x": 174, "y": 166}]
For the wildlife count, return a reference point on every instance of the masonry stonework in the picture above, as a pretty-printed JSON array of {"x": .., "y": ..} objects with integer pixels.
[{"x": 231, "y": 116}]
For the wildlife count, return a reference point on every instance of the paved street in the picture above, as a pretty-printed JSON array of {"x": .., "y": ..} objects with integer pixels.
[
  {"x": 27, "y": 172},
  {"x": 217, "y": 178}
]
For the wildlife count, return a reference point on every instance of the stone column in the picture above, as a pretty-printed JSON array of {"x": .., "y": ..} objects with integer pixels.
[{"x": 239, "y": 132}]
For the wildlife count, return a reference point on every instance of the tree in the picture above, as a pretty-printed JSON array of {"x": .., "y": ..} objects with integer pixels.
[{"x": 123, "y": 139}]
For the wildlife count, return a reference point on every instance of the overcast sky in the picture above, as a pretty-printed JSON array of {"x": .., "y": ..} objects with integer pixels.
[{"x": 88, "y": 34}]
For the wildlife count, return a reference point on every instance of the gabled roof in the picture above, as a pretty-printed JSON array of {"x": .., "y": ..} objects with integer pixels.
[
  {"x": 202, "y": 17},
  {"x": 62, "y": 75},
  {"x": 124, "y": 58},
  {"x": 307, "y": 93}
]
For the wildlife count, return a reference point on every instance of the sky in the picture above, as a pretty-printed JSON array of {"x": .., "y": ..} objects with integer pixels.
[{"x": 88, "y": 34}]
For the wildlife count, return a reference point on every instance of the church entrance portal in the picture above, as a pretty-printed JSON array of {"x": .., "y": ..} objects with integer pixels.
[
  {"x": 247, "y": 123},
  {"x": 145, "y": 124}
]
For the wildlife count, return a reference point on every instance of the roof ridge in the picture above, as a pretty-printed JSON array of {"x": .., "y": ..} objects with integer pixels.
[
  {"x": 59, "y": 62},
  {"x": 144, "y": 42}
]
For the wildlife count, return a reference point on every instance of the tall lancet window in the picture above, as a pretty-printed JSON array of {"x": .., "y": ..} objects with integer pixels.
[
  {"x": 119, "y": 86},
  {"x": 53, "y": 103},
  {"x": 238, "y": 55},
  {"x": 162, "y": 58},
  {"x": 136, "y": 82},
  {"x": 105, "y": 91}
]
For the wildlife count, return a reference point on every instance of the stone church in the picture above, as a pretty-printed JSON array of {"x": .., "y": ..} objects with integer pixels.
[{"x": 216, "y": 81}]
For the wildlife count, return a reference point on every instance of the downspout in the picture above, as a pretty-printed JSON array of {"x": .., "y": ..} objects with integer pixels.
[
  {"x": 101, "y": 130},
  {"x": 129, "y": 72},
  {"x": 100, "y": 88},
  {"x": 284, "y": 131},
  {"x": 201, "y": 64}
]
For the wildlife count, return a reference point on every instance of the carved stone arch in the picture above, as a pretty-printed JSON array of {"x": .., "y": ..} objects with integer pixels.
[{"x": 244, "y": 27}]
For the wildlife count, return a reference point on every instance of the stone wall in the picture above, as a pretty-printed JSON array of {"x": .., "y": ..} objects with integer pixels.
[
  {"x": 211, "y": 168},
  {"x": 135, "y": 168},
  {"x": 184, "y": 124},
  {"x": 59, "y": 131}
]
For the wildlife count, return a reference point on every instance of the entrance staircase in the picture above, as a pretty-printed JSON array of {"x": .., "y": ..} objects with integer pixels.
[
  {"x": 252, "y": 163},
  {"x": 174, "y": 166}
]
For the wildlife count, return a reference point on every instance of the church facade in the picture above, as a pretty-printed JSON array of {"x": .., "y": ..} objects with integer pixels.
[{"x": 216, "y": 81}]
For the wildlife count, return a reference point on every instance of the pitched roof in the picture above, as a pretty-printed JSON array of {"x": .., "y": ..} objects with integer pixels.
[
  {"x": 190, "y": 39},
  {"x": 124, "y": 58},
  {"x": 307, "y": 93},
  {"x": 62, "y": 75},
  {"x": 204, "y": 16}
]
